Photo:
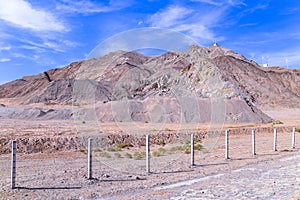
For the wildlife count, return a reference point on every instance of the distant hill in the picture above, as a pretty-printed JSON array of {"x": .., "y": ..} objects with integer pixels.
[{"x": 172, "y": 87}]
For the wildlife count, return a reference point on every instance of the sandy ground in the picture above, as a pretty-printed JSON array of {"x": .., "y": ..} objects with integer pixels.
[
  {"x": 63, "y": 175},
  {"x": 289, "y": 116}
]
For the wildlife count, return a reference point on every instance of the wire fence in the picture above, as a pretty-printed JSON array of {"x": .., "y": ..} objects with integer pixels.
[{"x": 128, "y": 159}]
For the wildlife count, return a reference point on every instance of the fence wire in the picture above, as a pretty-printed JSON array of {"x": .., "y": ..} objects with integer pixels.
[{"x": 120, "y": 160}]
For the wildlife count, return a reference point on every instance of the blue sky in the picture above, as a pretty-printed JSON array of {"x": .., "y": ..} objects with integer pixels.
[{"x": 39, "y": 35}]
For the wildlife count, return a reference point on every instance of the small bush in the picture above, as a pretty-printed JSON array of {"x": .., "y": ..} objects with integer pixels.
[
  {"x": 105, "y": 154},
  {"x": 162, "y": 150},
  {"x": 128, "y": 155},
  {"x": 143, "y": 154},
  {"x": 97, "y": 150},
  {"x": 118, "y": 149},
  {"x": 187, "y": 150},
  {"x": 82, "y": 151},
  {"x": 167, "y": 129},
  {"x": 156, "y": 154},
  {"x": 297, "y": 130},
  {"x": 139, "y": 155},
  {"x": 197, "y": 141},
  {"x": 188, "y": 142},
  {"x": 177, "y": 148},
  {"x": 111, "y": 149},
  {"x": 117, "y": 155},
  {"x": 277, "y": 122},
  {"x": 160, "y": 142},
  {"x": 198, "y": 147},
  {"x": 123, "y": 145}
]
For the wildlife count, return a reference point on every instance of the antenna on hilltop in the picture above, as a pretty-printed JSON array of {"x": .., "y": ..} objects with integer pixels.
[{"x": 215, "y": 43}]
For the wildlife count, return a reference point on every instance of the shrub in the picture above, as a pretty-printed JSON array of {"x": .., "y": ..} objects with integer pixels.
[
  {"x": 105, "y": 154},
  {"x": 162, "y": 150},
  {"x": 118, "y": 148},
  {"x": 139, "y": 155},
  {"x": 128, "y": 155},
  {"x": 277, "y": 122},
  {"x": 160, "y": 142},
  {"x": 117, "y": 155},
  {"x": 177, "y": 148},
  {"x": 123, "y": 145},
  {"x": 187, "y": 150},
  {"x": 297, "y": 130},
  {"x": 111, "y": 149},
  {"x": 188, "y": 142},
  {"x": 197, "y": 141},
  {"x": 82, "y": 151},
  {"x": 198, "y": 147},
  {"x": 167, "y": 129},
  {"x": 156, "y": 154}
]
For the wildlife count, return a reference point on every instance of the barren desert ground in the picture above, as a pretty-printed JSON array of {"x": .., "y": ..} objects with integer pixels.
[{"x": 62, "y": 173}]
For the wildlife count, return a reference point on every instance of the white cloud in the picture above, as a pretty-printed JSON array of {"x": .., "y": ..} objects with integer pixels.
[
  {"x": 86, "y": 6},
  {"x": 211, "y": 2},
  {"x": 236, "y": 2},
  {"x": 253, "y": 9},
  {"x": 5, "y": 48},
  {"x": 222, "y": 2},
  {"x": 4, "y": 59},
  {"x": 27, "y": 57},
  {"x": 47, "y": 45},
  {"x": 289, "y": 11},
  {"x": 189, "y": 21},
  {"x": 22, "y": 14},
  {"x": 170, "y": 16},
  {"x": 248, "y": 25},
  {"x": 69, "y": 43}
]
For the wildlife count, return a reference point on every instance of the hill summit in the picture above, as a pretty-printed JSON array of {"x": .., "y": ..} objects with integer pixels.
[{"x": 198, "y": 85}]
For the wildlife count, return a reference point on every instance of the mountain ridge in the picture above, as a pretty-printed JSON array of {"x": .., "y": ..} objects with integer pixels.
[{"x": 199, "y": 73}]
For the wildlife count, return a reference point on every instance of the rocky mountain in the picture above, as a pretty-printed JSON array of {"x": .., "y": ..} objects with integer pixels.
[{"x": 199, "y": 85}]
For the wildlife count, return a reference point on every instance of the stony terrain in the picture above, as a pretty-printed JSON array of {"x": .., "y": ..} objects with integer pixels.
[
  {"x": 176, "y": 85},
  {"x": 63, "y": 175}
]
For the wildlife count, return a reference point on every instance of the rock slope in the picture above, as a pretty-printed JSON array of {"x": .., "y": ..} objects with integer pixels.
[{"x": 199, "y": 85}]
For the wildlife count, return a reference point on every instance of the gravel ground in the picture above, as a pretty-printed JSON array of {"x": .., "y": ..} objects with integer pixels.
[
  {"x": 274, "y": 179},
  {"x": 62, "y": 175}
]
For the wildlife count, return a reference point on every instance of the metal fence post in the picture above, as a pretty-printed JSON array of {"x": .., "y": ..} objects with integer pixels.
[
  {"x": 293, "y": 138},
  {"x": 147, "y": 154},
  {"x": 13, "y": 164},
  {"x": 275, "y": 139},
  {"x": 192, "y": 150},
  {"x": 226, "y": 145},
  {"x": 253, "y": 143},
  {"x": 90, "y": 158}
]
